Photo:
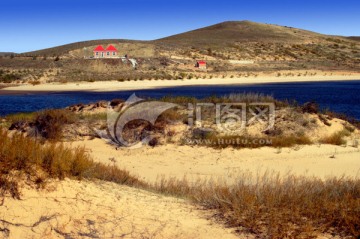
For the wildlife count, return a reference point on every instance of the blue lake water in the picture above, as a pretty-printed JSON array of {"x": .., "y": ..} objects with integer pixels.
[{"x": 341, "y": 97}]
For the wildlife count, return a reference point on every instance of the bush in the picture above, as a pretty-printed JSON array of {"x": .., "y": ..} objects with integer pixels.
[
  {"x": 336, "y": 138},
  {"x": 49, "y": 123},
  {"x": 310, "y": 107},
  {"x": 34, "y": 82},
  {"x": 8, "y": 78}
]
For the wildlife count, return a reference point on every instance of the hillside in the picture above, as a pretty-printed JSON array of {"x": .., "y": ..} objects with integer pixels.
[
  {"x": 7, "y": 53},
  {"x": 242, "y": 31},
  {"x": 354, "y": 38},
  {"x": 216, "y": 36},
  {"x": 230, "y": 48},
  {"x": 64, "y": 49}
]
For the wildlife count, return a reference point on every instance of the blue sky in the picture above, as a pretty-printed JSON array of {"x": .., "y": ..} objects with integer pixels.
[{"x": 27, "y": 25}]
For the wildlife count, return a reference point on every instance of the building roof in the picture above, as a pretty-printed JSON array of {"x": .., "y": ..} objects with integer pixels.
[
  {"x": 111, "y": 48},
  {"x": 99, "y": 48},
  {"x": 201, "y": 62}
]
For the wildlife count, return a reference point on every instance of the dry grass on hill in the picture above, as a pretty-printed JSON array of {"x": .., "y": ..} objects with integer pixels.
[{"x": 270, "y": 48}]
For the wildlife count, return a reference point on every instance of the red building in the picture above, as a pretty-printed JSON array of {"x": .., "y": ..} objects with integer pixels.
[
  {"x": 110, "y": 52},
  {"x": 99, "y": 52},
  {"x": 201, "y": 64}
]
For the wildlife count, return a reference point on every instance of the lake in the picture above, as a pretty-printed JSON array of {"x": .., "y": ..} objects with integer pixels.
[{"x": 340, "y": 96}]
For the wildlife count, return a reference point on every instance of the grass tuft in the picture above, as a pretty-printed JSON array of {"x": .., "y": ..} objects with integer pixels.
[
  {"x": 27, "y": 156},
  {"x": 336, "y": 138}
]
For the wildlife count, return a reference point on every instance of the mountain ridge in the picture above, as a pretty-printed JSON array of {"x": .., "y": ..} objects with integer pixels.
[{"x": 217, "y": 35}]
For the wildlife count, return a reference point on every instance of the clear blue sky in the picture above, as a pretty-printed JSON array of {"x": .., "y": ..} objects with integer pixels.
[{"x": 27, "y": 25}]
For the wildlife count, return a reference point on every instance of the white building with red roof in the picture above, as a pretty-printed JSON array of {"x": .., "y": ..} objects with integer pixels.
[
  {"x": 201, "y": 64},
  {"x": 109, "y": 52}
]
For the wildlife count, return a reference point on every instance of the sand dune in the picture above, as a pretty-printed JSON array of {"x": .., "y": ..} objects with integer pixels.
[
  {"x": 73, "y": 209},
  {"x": 194, "y": 162}
]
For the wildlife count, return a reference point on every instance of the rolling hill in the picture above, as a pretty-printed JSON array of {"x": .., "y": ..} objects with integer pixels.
[
  {"x": 241, "y": 31},
  {"x": 64, "y": 49},
  {"x": 215, "y": 36},
  {"x": 268, "y": 48},
  {"x": 354, "y": 38},
  {"x": 7, "y": 53}
]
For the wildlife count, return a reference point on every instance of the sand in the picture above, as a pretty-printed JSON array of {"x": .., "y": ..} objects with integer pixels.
[
  {"x": 105, "y": 86},
  {"x": 83, "y": 209},
  {"x": 94, "y": 209},
  {"x": 202, "y": 162}
]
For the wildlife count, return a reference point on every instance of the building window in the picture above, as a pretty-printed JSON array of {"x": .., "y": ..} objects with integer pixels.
[
  {"x": 97, "y": 53},
  {"x": 108, "y": 53},
  {"x": 114, "y": 53}
]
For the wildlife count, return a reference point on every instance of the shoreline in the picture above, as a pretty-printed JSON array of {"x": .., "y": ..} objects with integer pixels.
[{"x": 110, "y": 86}]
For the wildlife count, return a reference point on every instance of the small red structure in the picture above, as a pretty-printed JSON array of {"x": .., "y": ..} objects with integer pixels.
[
  {"x": 201, "y": 64},
  {"x": 99, "y": 52},
  {"x": 110, "y": 52}
]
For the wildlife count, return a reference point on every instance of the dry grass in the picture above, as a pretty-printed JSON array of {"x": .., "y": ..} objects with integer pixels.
[
  {"x": 20, "y": 155},
  {"x": 336, "y": 138},
  {"x": 273, "y": 207},
  {"x": 268, "y": 205},
  {"x": 49, "y": 123},
  {"x": 13, "y": 118}
]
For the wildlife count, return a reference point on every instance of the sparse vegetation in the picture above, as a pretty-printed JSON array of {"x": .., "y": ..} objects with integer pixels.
[
  {"x": 49, "y": 123},
  {"x": 268, "y": 206},
  {"x": 226, "y": 41},
  {"x": 336, "y": 138},
  {"x": 22, "y": 156},
  {"x": 271, "y": 206}
]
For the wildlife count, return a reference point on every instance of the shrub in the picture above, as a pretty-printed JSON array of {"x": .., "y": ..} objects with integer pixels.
[
  {"x": 8, "y": 78},
  {"x": 34, "y": 82},
  {"x": 49, "y": 123},
  {"x": 336, "y": 138},
  {"x": 310, "y": 107}
]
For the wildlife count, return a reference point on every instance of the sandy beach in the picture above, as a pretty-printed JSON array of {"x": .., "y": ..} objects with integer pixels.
[{"x": 107, "y": 86}]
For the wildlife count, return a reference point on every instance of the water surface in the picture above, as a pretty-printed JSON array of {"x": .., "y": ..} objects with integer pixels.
[{"x": 341, "y": 96}]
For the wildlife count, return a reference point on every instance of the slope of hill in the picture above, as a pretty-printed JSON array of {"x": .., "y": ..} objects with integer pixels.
[
  {"x": 64, "y": 49},
  {"x": 226, "y": 46},
  {"x": 242, "y": 31},
  {"x": 7, "y": 53},
  {"x": 354, "y": 38}
]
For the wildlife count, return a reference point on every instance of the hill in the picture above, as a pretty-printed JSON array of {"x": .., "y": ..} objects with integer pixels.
[
  {"x": 242, "y": 31},
  {"x": 7, "y": 53},
  {"x": 64, "y": 49},
  {"x": 354, "y": 38},
  {"x": 230, "y": 48}
]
